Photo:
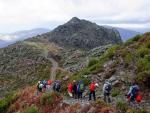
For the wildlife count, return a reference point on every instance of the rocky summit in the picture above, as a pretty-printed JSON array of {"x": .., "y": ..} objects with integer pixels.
[{"x": 83, "y": 34}]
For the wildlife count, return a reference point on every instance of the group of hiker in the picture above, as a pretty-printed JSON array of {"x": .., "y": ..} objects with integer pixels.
[
  {"x": 77, "y": 88},
  {"x": 47, "y": 85}
]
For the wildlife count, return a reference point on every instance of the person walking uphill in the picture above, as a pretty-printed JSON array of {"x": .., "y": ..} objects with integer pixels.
[
  {"x": 80, "y": 88},
  {"x": 70, "y": 89},
  {"x": 74, "y": 89},
  {"x": 56, "y": 86},
  {"x": 92, "y": 90},
  {"x": 133, "y": 92},
  {"x": 106, "y": 91}
]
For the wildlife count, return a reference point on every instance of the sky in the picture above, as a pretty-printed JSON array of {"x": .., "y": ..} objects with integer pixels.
[{"x": 17, "y": 15}]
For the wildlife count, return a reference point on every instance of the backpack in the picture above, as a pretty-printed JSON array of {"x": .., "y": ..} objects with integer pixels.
[
  {"x": 44, "y": 82},
  {"x": 40, "y": 86},
  {"x": 49, "y": 82},
  {"x": 134, "y": 90},
  {"x": 81, "y": 87},
  {"x": 108, "y": 88},
  {"x": 92, "y": 87},
  {"x": 57, "y": 85}
]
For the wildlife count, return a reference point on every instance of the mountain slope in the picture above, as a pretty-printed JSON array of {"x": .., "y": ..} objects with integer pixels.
[
  {"x": 23, "y": 64},
  {"x": 122, "y": 65},
  {"x": 83, "y": 34}
]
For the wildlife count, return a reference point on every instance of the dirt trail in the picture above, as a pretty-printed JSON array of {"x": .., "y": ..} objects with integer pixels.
[{"x": 53, "y": 69}]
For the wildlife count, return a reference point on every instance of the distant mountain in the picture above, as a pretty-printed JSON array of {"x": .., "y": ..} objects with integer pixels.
[
  {"x": 83, "y": 34},
  {"x": 127, "y": 33},
  {"x": 21, "y": 35}
]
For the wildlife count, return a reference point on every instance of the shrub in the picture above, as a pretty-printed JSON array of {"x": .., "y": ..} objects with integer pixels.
[
  {"x": 131, "y": 40},
  {"x": 110, "y": 52},
  {"x": 143, "y": 64},
  {"x": 92, "y": 62},
  {"x": 5, "y": 102},
  {"x": 127, "y": 59},
  {"x": 148, "y": 44},
  {"x": 122, "y": 106},
  {"x": 143, "y": 77},
  {"x": 138, "y": 111},
  {"x": 46, "y": 98},
  {"x": 31, "y": 109},
  {"x": 143, "y": 51},
  {"x": 115, "y": 92}
]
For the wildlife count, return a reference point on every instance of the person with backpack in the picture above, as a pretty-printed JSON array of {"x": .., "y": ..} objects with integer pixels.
[
  {"x": 92, "y": 87},
  {"x": 74, "y": 89},
  {"x": 70, "y": 89},
  {"x": 133, "y": 92},
  {"x": 44, "y": 82},
  {"x": 48, "y": 85},
  {"x": 107, "y": 90},
  {"x": 80, "y": 89},
  {"x": 39, "y": 87},
  {"x": 56, "y": 86}
]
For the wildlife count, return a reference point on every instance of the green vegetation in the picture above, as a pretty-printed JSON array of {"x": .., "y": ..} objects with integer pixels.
[
  {"x": 22, "y": 64},
  {"x": 115, "y": 92},
  {"x": 138, "y": 111},
  {"x": 46, "y": 98},
  {"x": 31, "y": 109},
  {"x": 121, "y": 106},
  {"x": 132, "y": 40},
  {"x": 5, "y": 102},
  {"x": 128, "y": 59},
  {"x": 142, "y": 51},
  {"x": 92, "y": 62}
]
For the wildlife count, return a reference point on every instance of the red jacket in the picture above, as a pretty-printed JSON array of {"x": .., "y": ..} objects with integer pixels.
[
  {"x": 70, "y": 87},
  {"x": 92, "y": 86}
]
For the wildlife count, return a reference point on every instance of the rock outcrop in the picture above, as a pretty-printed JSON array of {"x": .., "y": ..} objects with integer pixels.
[{"x": 83, "y": 34}]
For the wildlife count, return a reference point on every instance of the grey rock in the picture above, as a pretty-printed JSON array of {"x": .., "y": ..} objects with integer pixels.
[
  {"x": 112, "y": 79},
  {"x": 83, "y": 34}
]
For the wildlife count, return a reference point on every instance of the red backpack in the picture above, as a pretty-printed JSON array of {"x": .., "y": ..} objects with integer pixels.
[
  {"x": 49, "y": 82},
  {"x": 92, "y": 86}
]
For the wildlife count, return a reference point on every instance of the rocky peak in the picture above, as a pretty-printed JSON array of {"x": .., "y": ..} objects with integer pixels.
[
  {"x": 74, "y": 20},
  {"x": 80, "y": 33}
]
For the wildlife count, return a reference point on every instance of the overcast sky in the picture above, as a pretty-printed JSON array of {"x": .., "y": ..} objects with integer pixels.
[{"x": 16, "y": 15}]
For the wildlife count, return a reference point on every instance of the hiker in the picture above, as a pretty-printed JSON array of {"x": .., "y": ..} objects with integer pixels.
[
  {"x": 44, "y": 82},
  {"x": 74, "y": 89},
  {"x": 80, "y": 88},
  {"x": 133, "y": 92},
  {"x": 48, "y": 85},
  {"x": 56, "y": 86},
  {"x": 107, "y": 90},
  {"x": 70, "y": 89},
  {"x": 39, "y": 87},
  {"x": 92, "y": 87}
]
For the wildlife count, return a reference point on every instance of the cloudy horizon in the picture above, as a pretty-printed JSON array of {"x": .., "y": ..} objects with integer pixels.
[{"x": 17, "y": 15}]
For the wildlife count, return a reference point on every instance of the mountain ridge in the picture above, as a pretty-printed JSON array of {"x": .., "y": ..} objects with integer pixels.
[{"x": 83, "y": 34}]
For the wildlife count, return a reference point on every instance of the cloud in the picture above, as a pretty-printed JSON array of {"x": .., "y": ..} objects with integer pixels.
[{"x": 26, "y": 14}]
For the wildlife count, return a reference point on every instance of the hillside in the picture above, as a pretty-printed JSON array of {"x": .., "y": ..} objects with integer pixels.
[
  {"x": 120, "y": 64},
  {"x": 83, "y": 34},
  {"x": 24, "y": 63},
  {"x": 40, "y": 57}
]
